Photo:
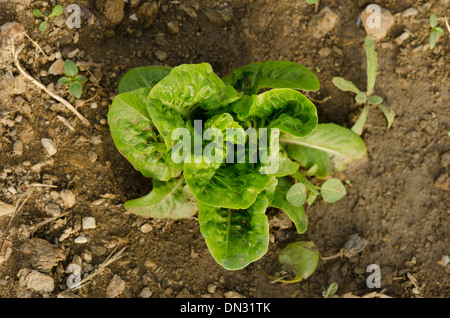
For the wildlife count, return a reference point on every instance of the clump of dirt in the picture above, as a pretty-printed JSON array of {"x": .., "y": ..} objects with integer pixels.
[{"x": 397, "y": 197}]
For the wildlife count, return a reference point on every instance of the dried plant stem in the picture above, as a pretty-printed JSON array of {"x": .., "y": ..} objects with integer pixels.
[
  {"x": 110, "y": 259},
  {"x": 41, "y": 86}
]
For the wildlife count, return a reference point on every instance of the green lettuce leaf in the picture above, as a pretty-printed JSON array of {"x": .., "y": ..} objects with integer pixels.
[
  {"x": 252, "y": 78},
  {"x": 190, "y": 86},
  {"x": 167, "y": 200},
  {"x": 328, "y": 147},
  {"x": 235, "y": 238},
  {"x": 136, "y": 137},
  {"x": 144, "y": 76},
  {"x": 286, "y": 109},
  {"x": 233, "y": 186},
  {"x": 296, "y": 214}
]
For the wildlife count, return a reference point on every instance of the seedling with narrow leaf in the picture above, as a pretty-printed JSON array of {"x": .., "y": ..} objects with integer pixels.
[
  {"x": 56, "y": 11},
  {"x": 231, "y": 197},
  {"x": 435, "y": 32},
  {"x": 366, "y": 98},
  {"x": 72, "y": 79}
]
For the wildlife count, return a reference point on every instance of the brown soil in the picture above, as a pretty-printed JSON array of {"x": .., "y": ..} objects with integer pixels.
[{"x": 397, "y": 199}]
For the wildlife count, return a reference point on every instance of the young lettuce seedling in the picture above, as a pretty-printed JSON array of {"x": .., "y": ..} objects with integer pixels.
[
  {"x": 435, "y": 31},
  {"x": 56, "y": 11},
  {"x": 72, "y": 79},
  {"x": 227, "y": 176},
  {"x": 366, "y": 98}
]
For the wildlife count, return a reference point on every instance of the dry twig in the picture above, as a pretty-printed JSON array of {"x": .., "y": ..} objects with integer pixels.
[{"x": 15, "y": 54}]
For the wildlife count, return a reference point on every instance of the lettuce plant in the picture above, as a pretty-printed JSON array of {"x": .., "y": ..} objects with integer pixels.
[
  {"x": 366, "y": 98},
  {"x": 199, "y": 138}
]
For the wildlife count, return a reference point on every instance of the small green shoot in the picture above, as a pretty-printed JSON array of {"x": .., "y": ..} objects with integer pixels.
[
  {"x": 435, "y": 31},
  {"x": 331, "y": 191},
  {"x": 312, "y": 1},
  {"x": 331, "y": 291},
  {"x": 72, "y": 79},
  {"x": 56, "y": 11},
  {"x": 366, "y": 98}
]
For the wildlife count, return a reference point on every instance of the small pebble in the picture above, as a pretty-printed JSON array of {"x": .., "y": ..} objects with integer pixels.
[
  {"x": 150, "y": 263},
  {"x": 88, "y": 223},
  {"x": 116, "y": 287},
  {"x": 145, "y": 293},
  {"x": 53, "y": 209},
  {"x": 211, "y": 288},
  {"x": 49, "y": 146},
  {"x": 173, "y": 27},
  {"x": 161, "y": 55},
  {"x": 81, "y": 240},
  {"x": 68, "y": 198},
  {"x": 6, "y": 209},
  {"x": 146, "y": 228}
]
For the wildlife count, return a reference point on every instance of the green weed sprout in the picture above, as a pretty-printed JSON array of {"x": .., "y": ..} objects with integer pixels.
[
  {"x": 312, "y": 1},
  {"x": 72, "y": 79},
  {"x": 57, "y": 11},
  {"x": 366, "y": 98},
  {"x": 435, "y": 31}
]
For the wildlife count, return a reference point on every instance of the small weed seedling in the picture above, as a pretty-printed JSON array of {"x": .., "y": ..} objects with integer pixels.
[
  {"x": 366, "y": 98},
  {"x": 312, "y": 1},
  {"x": 57, "y": 11},
  {"x": 72, "y": 79},
  {"x": 435, "y": 31},
  {"x": 331, "y": 291}
]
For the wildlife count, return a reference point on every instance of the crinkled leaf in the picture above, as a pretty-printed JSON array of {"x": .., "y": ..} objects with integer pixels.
[
  {"x": 167, "y": 200},
  {"x": 372, "y": 64},
  {"x": 358, "y": 127},
  {"x": 296, "y": 214},
  {"x": 388, "y": 113},
  {"x": 297, "y": 194},
  {"x": 332, "y": 190},
  {"x": 345, "y": 85},
  {"x": 300, "y": 259},
  {"x": 165, "y": 119},
  {"x": 190, "y": 86},
  {"x": 328, "y": 146},
  {"x": 288, "y": 110},
  {"x": 285, "y": 165},
  {"x": 76, "y": 89},
  {"x": 235, "y": 238},
  {"x": 145, "y": 76},
  {"x": 233, "y": 186},
  {"x": 135, "y": 136},
  {"x": 252, "y": 78}
]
